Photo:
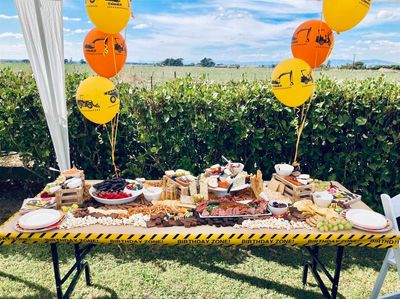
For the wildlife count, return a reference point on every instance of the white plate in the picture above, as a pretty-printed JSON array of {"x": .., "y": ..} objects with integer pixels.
[
  {"x": 366, "y": 219},
  {"x": 134, "y": 195},
  {"x": 39, "y": 219},
  {"x": 388, "y": 227},
  {"x": 18, "y": 228}
]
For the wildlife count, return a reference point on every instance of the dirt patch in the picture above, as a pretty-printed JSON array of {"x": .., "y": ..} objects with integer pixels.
[
  {"x": 12, "y": 194},
  {"x": 12, "y": 160}
]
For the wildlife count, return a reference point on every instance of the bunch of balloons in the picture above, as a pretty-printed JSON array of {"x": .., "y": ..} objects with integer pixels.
[
  {"x": 105, "y": 52},
  {"x": 312, "y": 43}
]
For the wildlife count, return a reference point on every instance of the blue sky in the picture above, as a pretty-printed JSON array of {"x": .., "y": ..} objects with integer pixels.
[{"x": 225, "y": 30}]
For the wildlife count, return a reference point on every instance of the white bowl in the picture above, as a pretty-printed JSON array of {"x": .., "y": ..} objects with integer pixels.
[
  {"x": 152, "y": 193},
  {"x": 322, "y": 199},
  {"x": 134, "y": 195},
  {"x": 277, "y": 211},
  {"x": 237, "y": 168},
  {"x": 284, "y": 169}
]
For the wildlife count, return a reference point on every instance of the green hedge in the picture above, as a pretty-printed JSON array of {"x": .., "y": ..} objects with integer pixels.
[{"x": 352, "y": 134}]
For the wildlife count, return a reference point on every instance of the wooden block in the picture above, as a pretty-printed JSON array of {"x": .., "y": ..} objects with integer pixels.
[
  {"x": 273, "y": 185},
  {"x": 293, "y": 191}
]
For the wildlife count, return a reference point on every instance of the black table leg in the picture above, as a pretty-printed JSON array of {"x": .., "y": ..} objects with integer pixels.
[
  {"x": 79, "y": 266},
  {"x": 56, "y": 267},
  {"x": 315, "y": 263}
]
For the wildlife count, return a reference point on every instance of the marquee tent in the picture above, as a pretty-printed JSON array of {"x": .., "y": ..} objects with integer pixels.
[{"x": 42, "y": 27}]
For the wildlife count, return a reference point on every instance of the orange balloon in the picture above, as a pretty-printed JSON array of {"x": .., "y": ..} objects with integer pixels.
[
  {"x": 105, "y": 53},
  {"x": 312, "y": 42}
]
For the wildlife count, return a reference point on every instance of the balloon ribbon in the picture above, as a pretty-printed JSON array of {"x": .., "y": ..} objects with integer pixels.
[
  {"x": 113, "y": 141},
  {"x": 300, "y": 119}
]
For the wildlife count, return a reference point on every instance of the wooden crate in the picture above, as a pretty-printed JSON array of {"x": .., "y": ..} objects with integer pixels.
[
  {"x": 294, "y": 192},
  {"x": 173, "y": 190},
  {"x": 68, "y": 197}
]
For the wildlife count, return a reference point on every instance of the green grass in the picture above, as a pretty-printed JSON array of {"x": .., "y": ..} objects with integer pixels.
[
  {"x": 142, "y": 75},
  {"x": 186, "y": 272}
]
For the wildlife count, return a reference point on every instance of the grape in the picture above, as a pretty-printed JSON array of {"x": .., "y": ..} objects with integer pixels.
[
  {"x": 335, "y": 228},
  {"x": 340, "y": 226},
  {"x": 348, "y": 225}
]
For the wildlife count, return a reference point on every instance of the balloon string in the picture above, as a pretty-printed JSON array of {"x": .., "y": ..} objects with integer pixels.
[
  {"x": 113, "y": 43},
  {"x": 105, "y": 52},
  {"x": 299, "y": 128},
  {"x": 304, "y": 111},
  {"x": 112, "y": 138}
]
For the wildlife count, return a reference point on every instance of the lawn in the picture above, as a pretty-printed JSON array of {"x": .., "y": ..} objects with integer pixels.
[{"x": 184, "y": 272}]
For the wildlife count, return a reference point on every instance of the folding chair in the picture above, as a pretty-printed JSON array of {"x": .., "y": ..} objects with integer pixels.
[{"x": 391, "y": 207}]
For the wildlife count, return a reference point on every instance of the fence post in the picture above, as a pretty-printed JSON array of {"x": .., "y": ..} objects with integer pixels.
[
  {"x": 174, "y": 74},
  {"x": 151, "y": 82}
]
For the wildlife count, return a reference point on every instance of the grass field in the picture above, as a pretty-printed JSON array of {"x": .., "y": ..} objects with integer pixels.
[
  {"x": 145, "y": 75},
  {"x": 179, "y": 272}
]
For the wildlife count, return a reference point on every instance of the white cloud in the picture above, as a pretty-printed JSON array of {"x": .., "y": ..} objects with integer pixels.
[
  {"x": 67, "y": 30},
  {"x": 140, "y": 26},
  {"x": 79, "y": 31},
  {"x": 10, "y": 34},
  {"x": 65, "y": 18},
  {"x": 13, "y": 51},
  {"x": 6, "y": 17}
]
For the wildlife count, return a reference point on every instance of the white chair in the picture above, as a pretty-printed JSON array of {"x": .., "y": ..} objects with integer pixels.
[{"x": 391, "y": 207}]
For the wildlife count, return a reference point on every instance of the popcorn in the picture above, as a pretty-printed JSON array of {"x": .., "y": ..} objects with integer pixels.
[
  {"x": 138, "y": 220},
  {"x": 272, "y": 223}
]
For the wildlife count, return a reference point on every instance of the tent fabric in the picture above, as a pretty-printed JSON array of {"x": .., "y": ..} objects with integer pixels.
[{"x": 42, "y": 27}]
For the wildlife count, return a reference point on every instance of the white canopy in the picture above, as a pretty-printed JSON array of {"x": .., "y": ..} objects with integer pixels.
[{"x": 42, "y": 26}]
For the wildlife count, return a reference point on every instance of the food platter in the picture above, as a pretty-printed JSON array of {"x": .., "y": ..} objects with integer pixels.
[
  {"x": 39, "y": 219},
  {"x": 221, "y": 192},
  {"x": 237, "y": 216},
  {"x": 134, "y": 194}
]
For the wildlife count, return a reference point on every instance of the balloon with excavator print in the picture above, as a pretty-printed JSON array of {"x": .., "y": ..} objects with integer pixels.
[
  {"x": 109, "y": 16},
  {"x": 105, "y": 53},
  {"x": 293, "y": 82},
  {"x": 312, "y": 42},
  {"x": 97, "y": 99},
  {"x": 342, "y": 15}
]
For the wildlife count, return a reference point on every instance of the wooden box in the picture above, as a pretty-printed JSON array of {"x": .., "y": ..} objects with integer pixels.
[
  {"x": 68, "y": 197},
  {"x": 173, "y": 190},
  {"x": 294, "y": 192}
]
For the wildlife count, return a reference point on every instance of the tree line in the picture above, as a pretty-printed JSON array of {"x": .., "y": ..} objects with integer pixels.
[{"x": 205, "y": 62}]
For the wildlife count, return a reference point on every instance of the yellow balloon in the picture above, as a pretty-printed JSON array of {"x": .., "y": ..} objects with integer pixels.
[
  {"x": 97, "y": 99},
  {"x": 109, "y": 16},
  {"x": 293, "y": 82},
  {"x": 342, "y": 15}
]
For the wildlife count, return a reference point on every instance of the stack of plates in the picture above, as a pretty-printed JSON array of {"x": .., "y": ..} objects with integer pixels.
[
  {"x": 366, "y": 220},
  {"x": 39, "y": 221}
]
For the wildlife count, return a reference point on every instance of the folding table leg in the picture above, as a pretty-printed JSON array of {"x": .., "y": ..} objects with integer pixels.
[
  {"x": 315, "y": 263},
  {"x": 79, "y": 266},
  {"x": 82, "y": 263},
  {"x": 339, "y": 259},
  {"x": 56, "y": 267}
]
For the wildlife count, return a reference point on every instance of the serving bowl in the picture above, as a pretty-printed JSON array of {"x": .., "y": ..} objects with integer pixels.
[
  {"x": 132, "y": 197},
  {"x": 278, "y": 210},
  {"x": 322, "y": 199},
  {"x": 284, "y": 169},
  {"x": 152, "y": 193}
]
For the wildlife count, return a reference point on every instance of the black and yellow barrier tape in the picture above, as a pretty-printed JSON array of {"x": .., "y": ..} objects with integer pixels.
[{"x": 255, "y": 239}]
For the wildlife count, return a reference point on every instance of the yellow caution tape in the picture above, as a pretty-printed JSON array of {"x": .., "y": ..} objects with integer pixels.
[{"x": 256, "y": 239}]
